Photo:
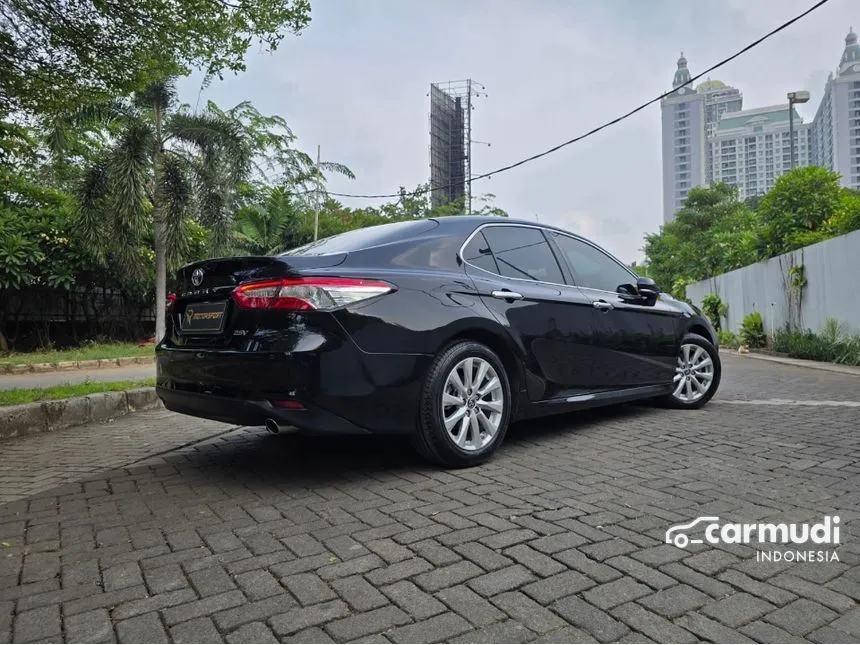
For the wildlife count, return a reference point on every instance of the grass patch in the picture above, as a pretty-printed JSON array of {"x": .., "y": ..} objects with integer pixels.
[
  {"x": 86, "y": 353},
  {"x": 33, "y": 394}
]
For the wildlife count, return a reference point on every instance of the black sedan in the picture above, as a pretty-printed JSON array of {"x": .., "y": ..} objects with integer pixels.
[{"x": 443, "y": 329}]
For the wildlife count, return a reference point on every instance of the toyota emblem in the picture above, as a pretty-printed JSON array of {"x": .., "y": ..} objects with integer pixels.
[{"x": 197, "y": 277}]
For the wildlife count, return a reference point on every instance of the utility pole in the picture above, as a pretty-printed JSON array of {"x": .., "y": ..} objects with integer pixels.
[
  {"x": 791, "y": 132},
  {"x": 319, "y": 198},
  {"x": 794, "y": 97},
  {"x": 469, "y": 144}
]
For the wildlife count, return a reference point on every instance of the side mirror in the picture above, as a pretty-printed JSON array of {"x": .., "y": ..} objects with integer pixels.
[{"x": 647, "y": 287}]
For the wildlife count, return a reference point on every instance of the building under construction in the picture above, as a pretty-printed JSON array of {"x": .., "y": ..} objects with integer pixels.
[{"x": 450, "y": 142}]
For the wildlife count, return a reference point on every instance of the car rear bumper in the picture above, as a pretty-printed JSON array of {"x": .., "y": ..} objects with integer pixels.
[
  {"x": 254, "y": 413},
  {"x": 342, "y": 390}
]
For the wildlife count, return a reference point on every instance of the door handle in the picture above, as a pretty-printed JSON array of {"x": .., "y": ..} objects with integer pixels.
[
  {"x": 602, "y": 305},
  {"x": 504, "y": 294}
]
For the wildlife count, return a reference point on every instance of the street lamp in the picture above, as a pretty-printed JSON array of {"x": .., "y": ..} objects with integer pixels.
[{"x": 794, "y": 97}]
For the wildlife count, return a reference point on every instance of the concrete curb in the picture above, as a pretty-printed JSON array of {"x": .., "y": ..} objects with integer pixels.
[
  {"x": 799, "y": 362},
  {"x": 64, "y": 366},
  {"x": 47, "y": 416}
]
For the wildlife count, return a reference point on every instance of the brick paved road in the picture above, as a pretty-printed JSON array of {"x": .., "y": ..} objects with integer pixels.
[{"x": 245, "y": 537}]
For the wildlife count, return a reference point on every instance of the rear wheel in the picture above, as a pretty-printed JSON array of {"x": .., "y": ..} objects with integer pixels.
[
  {"x": 697, "y": 374},
  {"x": 465, "y": 406}
]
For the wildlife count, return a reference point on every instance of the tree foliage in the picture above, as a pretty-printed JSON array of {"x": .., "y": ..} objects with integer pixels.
[
  {"x": 55, "y": 53},
  {"x": 275, "y": 220},
  {"x": 715, "y": 232},
  {"x": 799, "y": 209}
]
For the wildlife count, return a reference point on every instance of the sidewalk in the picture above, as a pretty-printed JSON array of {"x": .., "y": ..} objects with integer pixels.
[
  {"x": 799, "y": 362},
  {"x": 47, "y": 379}
]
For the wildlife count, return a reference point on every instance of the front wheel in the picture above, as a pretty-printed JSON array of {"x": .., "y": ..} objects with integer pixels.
[
  {"x": 697, "y": 374},
  {"x": 465, "y": 406}
]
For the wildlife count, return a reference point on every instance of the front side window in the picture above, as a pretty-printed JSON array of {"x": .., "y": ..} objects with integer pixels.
[
  {"x": 522, "y": 253},
  {"x": 592, "y": 268}
]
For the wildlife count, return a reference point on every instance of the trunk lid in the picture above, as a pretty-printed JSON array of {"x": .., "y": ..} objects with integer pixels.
[
  {"x": 220, "y": 276},
  {"x": 203, "y": 313}
]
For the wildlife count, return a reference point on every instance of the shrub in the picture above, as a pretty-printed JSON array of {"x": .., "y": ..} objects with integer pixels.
[
  {"x": 714, "y": 309},
  {"x": 728, "y": 339},
  {"x": 752, "y": 330},
  {"x": 803, "y": 344},
  {"x": 832, "y": 344}
]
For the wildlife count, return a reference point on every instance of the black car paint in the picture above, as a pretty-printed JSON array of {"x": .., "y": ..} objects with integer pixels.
[{"x": 361, "y": 368}]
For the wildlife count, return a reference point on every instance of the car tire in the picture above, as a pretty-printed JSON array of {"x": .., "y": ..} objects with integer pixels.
[
  {"x": 686, "y": 371},
  {"x": 470, "y": 440}
]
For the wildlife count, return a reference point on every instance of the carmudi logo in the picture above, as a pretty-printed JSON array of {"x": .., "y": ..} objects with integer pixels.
[{"x": 712, "y": 531}]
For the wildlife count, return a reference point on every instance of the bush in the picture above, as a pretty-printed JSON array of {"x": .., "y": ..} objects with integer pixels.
[
  {"x": 803, "y": 344},
  {"x": 832, "y": 345},
  {"x": 728, "y": 339},
  {"x": 752, "y": 330},
  {"x": 714, "y": 309}
]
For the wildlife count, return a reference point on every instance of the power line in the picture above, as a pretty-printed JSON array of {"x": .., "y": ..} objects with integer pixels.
[{"x": 608, "y": 124}]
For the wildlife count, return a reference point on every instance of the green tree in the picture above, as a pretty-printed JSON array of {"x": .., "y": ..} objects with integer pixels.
[
  {"x": 418, "y": 203},
  {"x": 270, "y": 225},
  {"x": 847, "y": 217},
  {"x": 710, "y": 234},
  {"x": 640, "y": 269},
  {"x": 714, "y": 233},
  {"x": 796, "y": 211},
  {"x": 54, "y": 53}
]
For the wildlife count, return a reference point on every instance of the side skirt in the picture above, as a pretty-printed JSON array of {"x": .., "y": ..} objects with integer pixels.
[{"x": 582, "y": 401}]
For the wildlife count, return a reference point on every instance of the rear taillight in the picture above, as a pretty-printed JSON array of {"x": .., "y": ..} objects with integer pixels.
[
  {"x": 303, "y": 294},
  {"x": 171, "y": 298}
]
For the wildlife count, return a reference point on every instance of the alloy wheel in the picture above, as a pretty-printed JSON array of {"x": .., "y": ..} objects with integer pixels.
[
  {"x": 694, "y": 374},
  {"x": 472, "y": 403}
]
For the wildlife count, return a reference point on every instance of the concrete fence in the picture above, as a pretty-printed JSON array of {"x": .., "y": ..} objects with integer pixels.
[{"x": 831, "y": 270}]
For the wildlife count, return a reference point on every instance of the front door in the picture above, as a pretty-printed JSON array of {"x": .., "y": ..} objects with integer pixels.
[{"x": 638, "y": 338}]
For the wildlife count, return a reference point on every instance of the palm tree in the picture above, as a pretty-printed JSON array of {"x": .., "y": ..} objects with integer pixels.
[
  {"x": 162, "y": 166},
  {"x": 269, "y": 225}
]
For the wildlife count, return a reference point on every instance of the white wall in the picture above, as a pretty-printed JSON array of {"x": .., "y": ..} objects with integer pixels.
[{"x": 832, "y": 271}]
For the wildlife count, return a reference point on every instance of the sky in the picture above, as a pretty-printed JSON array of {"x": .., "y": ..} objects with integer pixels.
[{"x": 356, "y": 82}]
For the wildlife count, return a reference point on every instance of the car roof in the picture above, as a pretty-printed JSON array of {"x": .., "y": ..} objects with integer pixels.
[{"x": 462, "y": 223}]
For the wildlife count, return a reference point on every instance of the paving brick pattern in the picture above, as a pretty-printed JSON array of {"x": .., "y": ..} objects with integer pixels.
[
  {"x": 233, "y": 535},
  {"x": 35, "y": 463}
]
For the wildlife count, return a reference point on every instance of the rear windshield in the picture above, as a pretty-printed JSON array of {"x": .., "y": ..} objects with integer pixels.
[{"x": 363, "y": 238}]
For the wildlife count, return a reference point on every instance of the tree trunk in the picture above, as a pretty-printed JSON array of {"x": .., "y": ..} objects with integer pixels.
[{"x": 159, "y": 235}]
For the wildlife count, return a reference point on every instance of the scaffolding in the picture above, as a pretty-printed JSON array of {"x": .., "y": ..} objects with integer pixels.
[{"x": 451, "y": 142}]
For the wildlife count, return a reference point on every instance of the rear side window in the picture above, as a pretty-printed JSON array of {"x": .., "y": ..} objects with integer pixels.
[
  {"x": 365, "y": 238},
  {"x": 477, "y": 252},
  {"x": 523, "y": 253}
]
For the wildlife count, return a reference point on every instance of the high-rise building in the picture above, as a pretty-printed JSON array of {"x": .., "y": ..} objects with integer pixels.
[
  {"x": 683, "y": 114},
  {"x": 751, "y": 148},
  {"x": 835, "y": 132},
  {"x": 719, "y": 99},
  {"x": 708, "y": 138},
  {"x": 690, "y": 116}
]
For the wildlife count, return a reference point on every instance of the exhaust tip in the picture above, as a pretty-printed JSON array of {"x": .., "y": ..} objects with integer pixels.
[{"x": 272, "y": 426}]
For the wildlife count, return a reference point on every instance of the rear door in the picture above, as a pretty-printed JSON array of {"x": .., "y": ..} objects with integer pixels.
[
  {"x": 523, "y": 284},
  {"x": 638, "y": 339}
]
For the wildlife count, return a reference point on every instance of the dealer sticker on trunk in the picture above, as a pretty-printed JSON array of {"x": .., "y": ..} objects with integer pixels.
[{"x": 203, "y": 317}]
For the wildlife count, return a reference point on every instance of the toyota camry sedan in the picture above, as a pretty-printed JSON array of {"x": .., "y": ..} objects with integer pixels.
[{"x": 444, "y": 330}]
